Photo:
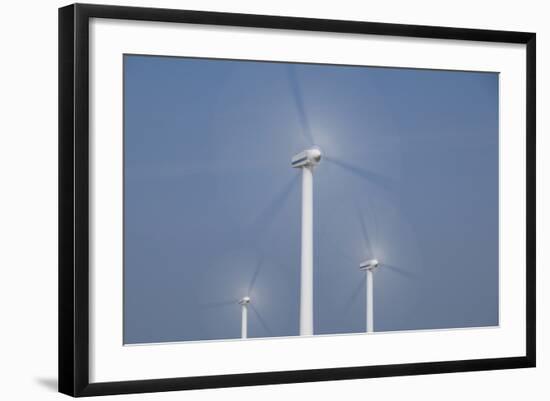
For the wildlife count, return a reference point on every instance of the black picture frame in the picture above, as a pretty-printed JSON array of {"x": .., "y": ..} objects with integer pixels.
[{"x": 74, "y": 197}]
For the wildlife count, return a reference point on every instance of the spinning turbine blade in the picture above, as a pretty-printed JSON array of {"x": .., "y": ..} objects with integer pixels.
[
  {"x": 336, "y": 248},
  {"x": 255, "y": 274},
  {"x": 267, "y": 215},
  {"x": 217, "y": 304},
  {"x": 377, "y": 179},
  {"x": 299, "y": 102},
  {"x": 261, "y": 320},
  {"x": 365, "y": 233},
  {"x": 400, "y": 271},
  {"x": 353, "y": 298}
]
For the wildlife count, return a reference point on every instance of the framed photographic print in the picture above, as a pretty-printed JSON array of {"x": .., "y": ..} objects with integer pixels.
[{"x": 250, "y": 199}]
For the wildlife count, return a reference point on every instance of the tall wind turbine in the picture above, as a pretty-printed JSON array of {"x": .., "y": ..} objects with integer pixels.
[
  {"x": 307, "y": 160},
  {"x": 244, "y": 316},
  {"x": 368, "y": 266}
]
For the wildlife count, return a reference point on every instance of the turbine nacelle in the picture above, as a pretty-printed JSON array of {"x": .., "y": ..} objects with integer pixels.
[
  {"x": 370, "y": 264},
  {"x": 306, "y": 158},
  {"x": 244, "y": 301}
]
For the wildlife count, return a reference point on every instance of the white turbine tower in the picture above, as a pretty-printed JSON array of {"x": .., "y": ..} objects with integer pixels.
[
  {"x": 368, "y": 266},
  {"x": 244, "y": 316},
  {"x": 307, "y": 160}
]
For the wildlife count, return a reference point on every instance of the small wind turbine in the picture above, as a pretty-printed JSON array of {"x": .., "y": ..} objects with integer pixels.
[
  {"x": 368, "y": 266},
  {"x": 244, "y": 316},
  {"x": 307, "y": 160}
]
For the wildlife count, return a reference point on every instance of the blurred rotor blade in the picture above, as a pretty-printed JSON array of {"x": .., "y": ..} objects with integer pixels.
[
  {"x": 297, "y": 94},
  {"x": 337, "y": 249},
  {"x": 218, "y": 304},
  {"x": 267, "y": 215},
  {"x": 255, "y": 274},
  {"x": 365, "y": 234},
  {"x": 359, "y": 288},
  {"x": 377, "y": 179},
  {"x": 402, "y": 272},
  {"x": 261, "y": 320}
]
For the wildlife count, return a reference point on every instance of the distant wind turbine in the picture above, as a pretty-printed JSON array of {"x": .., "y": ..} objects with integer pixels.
[
  {"x": 244, "y": 302},
  {"x": 247, "y": 305},
  {"x": 368, "y": 266}
]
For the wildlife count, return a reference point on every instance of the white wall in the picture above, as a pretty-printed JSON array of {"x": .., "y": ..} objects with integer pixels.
[{"x": 28, "y": 198}]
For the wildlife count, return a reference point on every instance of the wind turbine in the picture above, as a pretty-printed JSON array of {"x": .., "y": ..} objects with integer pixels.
[
  {"x": 368, "y": 266},
  {"x": 307, "y": 160},
  {"x": 246, "y": 303},
  {"x": 244, "y": 316}
]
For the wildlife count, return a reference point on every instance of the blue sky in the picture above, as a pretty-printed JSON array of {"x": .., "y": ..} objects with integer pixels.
[{"x": 212, "y": 206}]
